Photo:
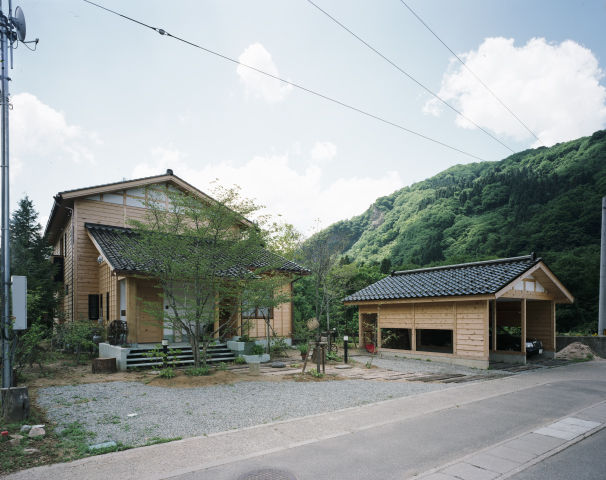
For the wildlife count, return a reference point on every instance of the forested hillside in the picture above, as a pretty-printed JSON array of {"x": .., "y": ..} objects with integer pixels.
[{"x": 546, "y": 200}]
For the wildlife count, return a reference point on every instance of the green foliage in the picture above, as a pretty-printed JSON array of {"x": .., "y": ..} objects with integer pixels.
[
  {"x": 168, "y": 358},
  {"x": 333, "y": 356},
  {"x": 197, "y": 371},
  {"x": 75, "y": 337},
  {"x": 279, "y": 346},
  {"x": 316, "y": 374},
  {"x": 545, "y": 200},
  {"x": 239, "y": 361},
  {"x": 167, "y": 372},
  {"x": 303, "y": 348},
  {"x": 222, "y": 366},
  {"x": 257, "y": 350},
  {"x": 30, "y": 347},
  {"x": 30, "y": 256}
]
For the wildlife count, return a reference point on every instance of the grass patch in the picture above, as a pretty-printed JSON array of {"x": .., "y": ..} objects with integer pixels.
[
  {"x": 157, "y": 440},
  {"x": 197, "y": 372}
]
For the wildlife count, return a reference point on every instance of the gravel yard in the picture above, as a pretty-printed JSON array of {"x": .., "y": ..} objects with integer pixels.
[{"x": 104, "y": 408}]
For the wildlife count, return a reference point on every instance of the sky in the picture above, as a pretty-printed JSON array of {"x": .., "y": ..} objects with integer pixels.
[{"x": 103, "y": 99}]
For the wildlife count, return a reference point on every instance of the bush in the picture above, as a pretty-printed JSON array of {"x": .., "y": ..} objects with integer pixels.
[
  {"x": 257, "y": 350},
  {"x": 197, "y": 372},
  {"x": 279, "y": 346},
  {"x": 168, "y": 372},
  {"x": 303, "y": 348},
  {"x": 239, "y": 361},
  {"x": 29, "y": 346},
  {"x": 75, "y": 337}
]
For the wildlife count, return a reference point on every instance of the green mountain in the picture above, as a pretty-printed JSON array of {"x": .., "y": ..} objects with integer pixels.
[{"x": 544, "y": 200}]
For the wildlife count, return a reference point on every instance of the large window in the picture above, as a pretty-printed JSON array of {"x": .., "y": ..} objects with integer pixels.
[
  {"x": 93, "y": 307},
  {"x": 396, "y": 338},
  {"x": 434, "y": 340}
]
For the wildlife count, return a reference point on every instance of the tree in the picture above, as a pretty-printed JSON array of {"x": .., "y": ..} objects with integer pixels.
[
  {"x": 30, "y": 257},
  {"x": 320, "y": 253},
  {"x": 208, "y": 261}
]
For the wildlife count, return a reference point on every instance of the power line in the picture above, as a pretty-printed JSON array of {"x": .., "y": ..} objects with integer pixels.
[
  {"x": 288, "y": 82},
  {"x": 401, "y": 70},
  {"x": 471, "y": 71}
]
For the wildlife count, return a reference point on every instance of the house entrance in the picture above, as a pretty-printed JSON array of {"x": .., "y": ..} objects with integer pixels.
[{"x": 368, "y": 338}]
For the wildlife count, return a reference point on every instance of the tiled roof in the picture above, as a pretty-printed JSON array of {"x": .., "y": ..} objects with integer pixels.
[
  {"x": 478, "y": 278},
  {"x": 118, "y": 243}
]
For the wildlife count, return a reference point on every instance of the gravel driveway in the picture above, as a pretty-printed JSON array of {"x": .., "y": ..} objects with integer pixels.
[{"x": 103, "y": 408}]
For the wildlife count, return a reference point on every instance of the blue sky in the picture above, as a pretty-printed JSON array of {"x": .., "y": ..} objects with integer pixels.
[{"x": 103, "y": 99}]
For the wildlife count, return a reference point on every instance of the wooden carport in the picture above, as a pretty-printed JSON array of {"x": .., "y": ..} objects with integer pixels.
[{"x": 452, "y": 313}]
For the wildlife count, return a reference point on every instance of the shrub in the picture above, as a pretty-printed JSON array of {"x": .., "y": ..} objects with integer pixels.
[
  {"x": 303, "y": 348},
  {"x": 222, "y": 366},
  {"x": 257, "y": 350},
  {"x": 168, "y": 372},
  {"x": 239, "y": 361},
  {"x": 197, "y": 372},
  {"x": 279, "y": 346},
  {"x": 29, "y": 346},
  {"x": 75, "y": 337},
  {"x": 333, "y": 356}
]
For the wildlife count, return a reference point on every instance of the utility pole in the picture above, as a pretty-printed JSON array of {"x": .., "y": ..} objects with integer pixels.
[
  {"x": 12, "y": 29},
  {"x": 602, "y": 303}
]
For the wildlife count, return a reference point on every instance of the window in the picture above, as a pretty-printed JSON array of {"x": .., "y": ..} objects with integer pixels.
[
  {"x": 434, "y": 340},
  {"x": 93, "y": 307},
  {"x": 398, "y": 338}
]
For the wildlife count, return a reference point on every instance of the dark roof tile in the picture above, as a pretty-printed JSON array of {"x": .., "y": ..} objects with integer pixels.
[{"x": 478, "y": 278}]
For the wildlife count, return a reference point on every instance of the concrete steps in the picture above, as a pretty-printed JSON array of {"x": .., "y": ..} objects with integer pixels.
[{"x": 142, "y": 357}]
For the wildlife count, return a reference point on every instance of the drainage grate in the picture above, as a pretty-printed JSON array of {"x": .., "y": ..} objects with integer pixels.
[{"x": 268, "y": 474}]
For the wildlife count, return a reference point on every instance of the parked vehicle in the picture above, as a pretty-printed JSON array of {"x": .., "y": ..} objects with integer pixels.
[{"x": 509, "y": 341}]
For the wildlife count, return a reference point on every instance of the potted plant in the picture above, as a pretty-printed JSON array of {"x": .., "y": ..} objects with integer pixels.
[
  {"x": 304, "y": 349},
  {"x": 257, "y": 355}
]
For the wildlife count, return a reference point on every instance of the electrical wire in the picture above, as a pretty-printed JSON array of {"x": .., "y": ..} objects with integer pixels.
[
  {"x": 404, "y": 72},
  {"x": 471, "y": 71},
  {"x": 288, "y": 82}
]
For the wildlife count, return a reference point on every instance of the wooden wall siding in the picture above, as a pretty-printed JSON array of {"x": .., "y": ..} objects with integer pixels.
[
  {"x": 68, "y": 252},
  {"x": 471, "y": 338},
  {"x": 538, "y": 323},
  {"x": 149, "y": 329},
  {"x": 434, "y": 315},
  {"x": 509, "y": 314},
  {"x": 396, "y": 316}
]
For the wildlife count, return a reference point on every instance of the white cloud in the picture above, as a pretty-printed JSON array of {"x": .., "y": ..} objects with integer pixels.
[
  {"x": 554, "y": 88},
  {"x": 257, "y": 84},
  {"x": 39, "y": 132},
  {"x": 323, "y": 151},
  {"x": 300, "y": 198}
]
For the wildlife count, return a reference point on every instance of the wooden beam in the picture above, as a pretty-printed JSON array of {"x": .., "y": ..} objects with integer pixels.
[
  {"x": 553, "y": 326},
  {"x": 486, "y": 329},
  {"x": 131, "y": 309},
  {"x": 494, "y": 325},
  {"x": 523, "y": 314}
]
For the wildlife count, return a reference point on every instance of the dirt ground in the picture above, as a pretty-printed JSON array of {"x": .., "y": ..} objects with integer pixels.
[{"x": 576, "y": 351}]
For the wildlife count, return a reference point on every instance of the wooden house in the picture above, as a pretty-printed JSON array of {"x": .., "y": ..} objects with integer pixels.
[
  {"x": 466, "y": 314},
  {"x": 85, "y": 227}
]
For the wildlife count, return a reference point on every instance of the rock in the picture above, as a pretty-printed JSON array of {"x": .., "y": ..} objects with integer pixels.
[
  {"x": 30, "y": 451},
  {"x": 101, "y": 446},
  {"x": 278, "y": 365},
  {"x": 36, "y": 431},
  {"x": 132, "y": 415},
  {"x": 25, "y": 428},
  {"x": 15, "y": 439},
  {"x": 344, "y": 366}
]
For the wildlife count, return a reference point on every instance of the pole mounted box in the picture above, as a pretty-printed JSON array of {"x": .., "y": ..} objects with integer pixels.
[{"x": 19, "y": 298}]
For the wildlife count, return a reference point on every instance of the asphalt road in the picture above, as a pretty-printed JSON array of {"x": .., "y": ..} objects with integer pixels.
[
  {"x": 585, "y": 460},
  {"x": 409, "y": 447}
]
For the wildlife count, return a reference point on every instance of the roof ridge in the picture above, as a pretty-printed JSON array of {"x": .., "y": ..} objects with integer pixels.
[
  {"x": 532, "y": 257},
  {"x": 166, "y": 174}
]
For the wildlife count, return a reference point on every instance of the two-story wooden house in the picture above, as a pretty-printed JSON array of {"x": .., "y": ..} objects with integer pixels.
[{"x": 84, "y": 227}]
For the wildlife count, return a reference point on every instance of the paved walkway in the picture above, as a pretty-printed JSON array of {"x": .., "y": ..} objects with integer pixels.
[{"x": 512, "y": 456}]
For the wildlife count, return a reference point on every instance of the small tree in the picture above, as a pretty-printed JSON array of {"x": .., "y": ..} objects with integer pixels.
[
  {"x": 207, "y": 259},
  {"x": 30, "y": 257}
]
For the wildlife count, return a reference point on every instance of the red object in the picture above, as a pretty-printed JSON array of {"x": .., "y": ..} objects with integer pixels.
[
  {"x": 370, "y": 348},
  {"x": 4, "y": 433}
]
